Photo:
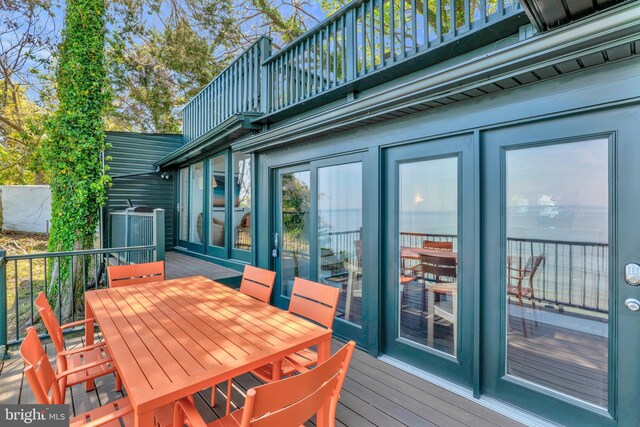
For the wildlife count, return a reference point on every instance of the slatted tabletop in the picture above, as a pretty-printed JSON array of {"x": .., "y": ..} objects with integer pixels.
[
  {"x": 173, "y": 338},
  {"x": 410, "y": 252}
]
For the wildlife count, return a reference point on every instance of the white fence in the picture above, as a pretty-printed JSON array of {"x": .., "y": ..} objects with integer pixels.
[{"x": 26, "y": 208}]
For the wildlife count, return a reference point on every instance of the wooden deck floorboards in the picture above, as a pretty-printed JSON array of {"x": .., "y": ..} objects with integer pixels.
[
  {"x": 374, "y": 394},
  {"x": 178, "y": 265}
]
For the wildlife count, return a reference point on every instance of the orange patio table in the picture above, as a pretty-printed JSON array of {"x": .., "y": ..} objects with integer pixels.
[{"x": 171, "y": 339}]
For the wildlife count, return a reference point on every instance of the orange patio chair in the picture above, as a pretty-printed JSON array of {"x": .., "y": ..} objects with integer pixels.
[
  {"x": 135, "y": 274},
  {"x": 285, "y": 403},
  {"x": 257, "y": 283},
  {"x": 50, "y": 388},
  {"x": 97, "y": 354},
  {"x": 311, "y": 301}
]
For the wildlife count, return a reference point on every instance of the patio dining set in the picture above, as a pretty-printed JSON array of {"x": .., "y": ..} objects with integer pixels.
[{"x": 166, "y": 340}]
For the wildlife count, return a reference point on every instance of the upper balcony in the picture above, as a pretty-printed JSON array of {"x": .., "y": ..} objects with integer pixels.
[{"x": 364, "y": 44}]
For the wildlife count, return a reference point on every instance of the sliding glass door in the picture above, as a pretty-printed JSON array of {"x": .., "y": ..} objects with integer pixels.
[
  {"x": 191, "y": 207},
  {"x": 319, "y": 235}
]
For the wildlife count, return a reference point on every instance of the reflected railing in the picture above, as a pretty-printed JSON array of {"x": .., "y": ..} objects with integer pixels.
[{"x": 574, "y": 274}]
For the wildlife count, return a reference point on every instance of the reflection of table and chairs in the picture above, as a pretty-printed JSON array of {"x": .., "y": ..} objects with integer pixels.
[
  {"x": 435, "y": 267},
  {"x": 520, "y": 282},
  {"x": 353, "y": 266}
]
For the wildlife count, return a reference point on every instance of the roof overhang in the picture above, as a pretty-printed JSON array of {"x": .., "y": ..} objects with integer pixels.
[
  {"x": 548, "y": 14},
  {"x": 231, "y": 129}
]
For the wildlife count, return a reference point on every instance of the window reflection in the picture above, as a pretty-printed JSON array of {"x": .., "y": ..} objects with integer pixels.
[
  {"x": 218, "y": 168},
  {"x": 340, "y": 235},
  {"x": 296, "y": 206},
  {"x": 184, "y": 203},
  {"x": 557, "y": 267},
  {"x": 242, "y": 193},
  {"x": 196, "y": 203},
  {"x": 428, "y": 284}
]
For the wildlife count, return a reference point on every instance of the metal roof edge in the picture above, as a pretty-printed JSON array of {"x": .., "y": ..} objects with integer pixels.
[
  {"x": 614, "y": 24},
  {"x": 234, "y": 122}
]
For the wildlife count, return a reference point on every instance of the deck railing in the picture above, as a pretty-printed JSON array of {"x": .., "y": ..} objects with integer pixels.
[
  {"x": 237, "y": 89},
  {"x": 368, "y": 35},
  {"x": 363, "y": 37},
  {"x": 23, "y": 276},
  {"x": 127, "y": 229}
]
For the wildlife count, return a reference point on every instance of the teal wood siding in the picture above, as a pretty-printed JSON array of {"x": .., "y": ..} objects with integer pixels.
[{"x": 136, "y": 153}]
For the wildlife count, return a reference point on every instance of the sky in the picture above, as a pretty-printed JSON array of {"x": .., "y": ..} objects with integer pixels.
[{"x": 56, "y": 23}]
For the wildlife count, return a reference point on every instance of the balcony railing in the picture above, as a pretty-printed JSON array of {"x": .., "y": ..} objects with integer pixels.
[
  {"x": 359, "y": 40},
  {"x": 366, "y": 36},
  {"x": 235, "y": 90},
  {"x": 23, "y": 276}
]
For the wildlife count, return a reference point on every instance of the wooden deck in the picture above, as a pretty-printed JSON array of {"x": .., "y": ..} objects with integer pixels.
[
  {"x": 374, "y": 394},
  {"x": 178, "y": 265}
]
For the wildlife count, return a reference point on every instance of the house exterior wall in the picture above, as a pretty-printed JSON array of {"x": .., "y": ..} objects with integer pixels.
[
  {"x": 599, "y": 88},
  {"x": 135, "y": 177}
]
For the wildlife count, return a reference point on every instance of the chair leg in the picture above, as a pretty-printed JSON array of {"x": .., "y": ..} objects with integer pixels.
[
  {"x": 118, "y": 382},
  {"x": 213, "y": 395},
  {"x": 229, "y": 390}
]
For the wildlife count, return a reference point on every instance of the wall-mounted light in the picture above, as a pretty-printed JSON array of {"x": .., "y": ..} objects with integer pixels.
[{"x": 165, "y": 175}]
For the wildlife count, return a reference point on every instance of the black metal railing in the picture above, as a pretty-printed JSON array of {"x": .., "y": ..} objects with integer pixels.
[{"x": 63, "y": 276}]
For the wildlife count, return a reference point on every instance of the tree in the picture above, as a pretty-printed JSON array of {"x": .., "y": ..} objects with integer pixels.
[
  {"x": 76, "y": 140},
  {"x": 26, "y": 42}
]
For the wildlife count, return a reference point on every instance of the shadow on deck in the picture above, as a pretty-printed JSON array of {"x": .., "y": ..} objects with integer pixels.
[
  {"x": 178, "y": 265},
  {"x": 374, "y": 394}
]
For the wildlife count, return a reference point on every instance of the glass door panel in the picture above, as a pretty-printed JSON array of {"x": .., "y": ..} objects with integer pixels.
[
  {"x": 183, "y": 205},
  {"x": 557, "y": 267},
  {"x": 340, "y": 236},
  {"x": 429, "y": 255},
  {"x": 294, "y": 228},
  {"x": 428, "y": 237},
  {"x": 242, "y": 197},
  {"x": 560, "y": 225},
  {"x": 218, "y": 198},
  {"x": 196, "y": 204}
]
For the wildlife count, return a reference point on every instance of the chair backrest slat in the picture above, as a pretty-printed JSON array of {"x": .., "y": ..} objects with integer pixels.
[
  {"x": 38, "y": 370},
  {"x": 294, "y": 400},
  {"x": 439, "y": 266},
  {"x": 135, "y": 274},
  {"x": 257, "y": 282},
  {"x": 437, "y": 246},
  {"x": 314, "y": 301},
  {"x": 50, "y": 321}
]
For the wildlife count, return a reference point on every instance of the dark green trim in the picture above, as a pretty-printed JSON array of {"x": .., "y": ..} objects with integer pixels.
[{"x": 236, "y": 125}]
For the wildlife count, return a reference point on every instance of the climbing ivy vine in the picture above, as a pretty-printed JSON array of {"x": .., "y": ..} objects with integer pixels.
[{"x": 76, "y": 141}]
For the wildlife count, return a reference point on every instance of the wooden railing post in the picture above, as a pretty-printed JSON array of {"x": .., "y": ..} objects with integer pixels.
[
  {"x": 350, "y": 44},
  {"x": 265, "y": 75},
  {"x": 3, "y": 297},
  {"x": 158, "y": 233}
]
